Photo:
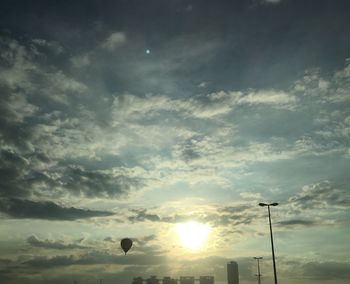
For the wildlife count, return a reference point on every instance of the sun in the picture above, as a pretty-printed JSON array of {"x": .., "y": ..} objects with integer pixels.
[{"x": 192, "y": 234}]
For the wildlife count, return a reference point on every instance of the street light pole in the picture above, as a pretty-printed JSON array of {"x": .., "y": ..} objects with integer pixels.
[
  {"x": 258, "y": 275},
  {"x": 272, "y": 246}
]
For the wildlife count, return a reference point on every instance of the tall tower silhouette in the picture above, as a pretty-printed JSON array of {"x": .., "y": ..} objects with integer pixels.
[{"x": 232, "y": 273}]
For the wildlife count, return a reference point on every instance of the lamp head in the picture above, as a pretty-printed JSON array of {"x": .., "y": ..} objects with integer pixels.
[
  {"x": 274, "y": 204},
  {"x": 262, "y": 204}
]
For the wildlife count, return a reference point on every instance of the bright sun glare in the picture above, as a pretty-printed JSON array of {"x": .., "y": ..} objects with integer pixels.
[{"x": 192, "y": 234}]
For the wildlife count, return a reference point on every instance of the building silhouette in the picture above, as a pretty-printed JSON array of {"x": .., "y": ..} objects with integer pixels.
[
  {"x": 169, "y": 280},
  {"x": 206, "y": 280},
  {"x": 137, "y": 280},
  {"x": 152, "y": 280},
  {"x": 186, "y": 280},
  {"x": 232, "y": 273}
]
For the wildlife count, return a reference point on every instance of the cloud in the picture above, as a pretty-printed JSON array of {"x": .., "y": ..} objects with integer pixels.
[
  {"x": 202, "y": 85},
  {"x": 131, "y": 107},
  {"x": 47, "y": 244},
  {"x": 80, "y": 61},
  {"x": 78, "y": 133},
  {"x": 27, "y": 209},
  {"x": 99, "y": 183},
  {"x": 274, "y": 98},
  {"x": 23, "y": 74},
  {"x": 108, "y": 239},
  {"x": 95, "y": 258},
  {"x": 12, "y": 166},
  {"x": 238, "y": 214},
  {"x": 296, "y": 223},
  {"x": 142, "y": 265},
  {"x": 44, "y": 177},
  {"x": 331, "y": 89},
  {"x": 323, "y": 195},
  {"x": 142, "y": 215},
  {"x": 53, "y": 46},
  {"x": 327, "y": 270},
  {"x": 271, "y": 2},
  {"x": 14, "y": 112},
  {"x": 22, "y": 100},
  {"x": 113, "y": 41}
]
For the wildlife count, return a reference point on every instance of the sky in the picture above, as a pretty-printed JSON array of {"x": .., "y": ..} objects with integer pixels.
[{"x": 131, "y": 118}]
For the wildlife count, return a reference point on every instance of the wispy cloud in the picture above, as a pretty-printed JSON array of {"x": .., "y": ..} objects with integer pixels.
[{"x": 322, "y": 195}]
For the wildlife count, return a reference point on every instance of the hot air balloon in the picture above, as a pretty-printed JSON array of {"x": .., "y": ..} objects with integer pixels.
[{"x": 126, "y": 244}]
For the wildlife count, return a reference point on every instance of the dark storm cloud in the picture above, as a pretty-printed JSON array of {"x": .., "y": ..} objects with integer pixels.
[
  {"x": 59, "y": 245},
  {"x": 20, "y": 209},
  {"x": 327, "y": 270}
]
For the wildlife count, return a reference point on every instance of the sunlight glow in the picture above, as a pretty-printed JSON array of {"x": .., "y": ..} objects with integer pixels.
[{"x": 192, "y": 234}]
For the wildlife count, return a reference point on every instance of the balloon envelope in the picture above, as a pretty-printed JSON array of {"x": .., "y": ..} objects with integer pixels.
[{"x": 126, "y": 244}]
